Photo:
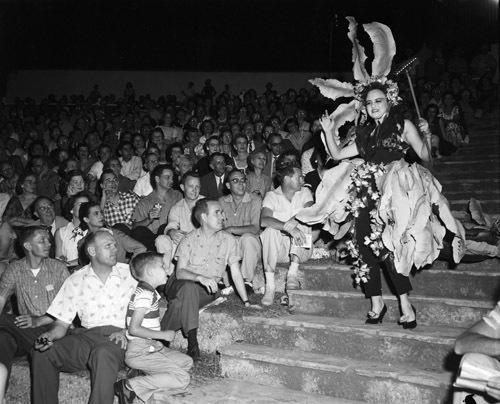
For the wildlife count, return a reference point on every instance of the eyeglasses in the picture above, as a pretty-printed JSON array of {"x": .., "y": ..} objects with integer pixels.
[
  {"x": 275, "y": 144},
  {"x": 241, "y": 180},
  {"x": 110, "y": 181}
]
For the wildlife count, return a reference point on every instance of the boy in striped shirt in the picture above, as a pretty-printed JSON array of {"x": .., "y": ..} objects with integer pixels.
[{"x": 166, "y": 370}]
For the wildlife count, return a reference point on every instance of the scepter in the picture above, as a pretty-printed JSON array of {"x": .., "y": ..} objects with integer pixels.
[{"x": 405, "y": 68}]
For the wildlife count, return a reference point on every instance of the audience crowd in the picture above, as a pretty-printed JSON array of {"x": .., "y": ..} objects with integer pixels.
[{"x": 89, "y": 182}]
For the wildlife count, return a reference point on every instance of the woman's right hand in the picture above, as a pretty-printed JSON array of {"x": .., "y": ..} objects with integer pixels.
[{"x": 327, "y": 123}]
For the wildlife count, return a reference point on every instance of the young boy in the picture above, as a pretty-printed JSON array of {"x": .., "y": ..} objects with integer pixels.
[{"x": 166, "y": 370}]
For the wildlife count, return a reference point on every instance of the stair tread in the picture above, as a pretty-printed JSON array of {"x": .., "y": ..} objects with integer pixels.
[
  {"x": 329, "y": 363},
  {"x": 475, "y": 303},
  {"x": 433, "y": 334}
]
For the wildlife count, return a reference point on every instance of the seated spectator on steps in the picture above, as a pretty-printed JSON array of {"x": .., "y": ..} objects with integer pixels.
[
  {"x": 125, "y": 184},
  {"x": 92, "y": 220},
  {"x": 131, "y": 165},
  {"x": 212, "y": 184},
  {"x": 166, "y": 371},
  {"x": 211, "y": 146},
  {"x": 19, "y": 209},
  {"x": 242, "y": 212},
  {"x": 35, "y": 281},
  {"x": 67, "y": 237},
  {"x": 284, "y": 238},
  {"x": 47, "y": 181},
  {"x": 97, "y": 168},
  {"x": 99, "y": 293},
  {"x": 483, "y": 338},
  {"x": 7, "y": 246},
  {"x": 258, "y": 183},
  {"x": 143, "y": 185},
  {"x": 203, "y": 256},
  {"x": 116, "y": 206},
  {"x": 152, "y": 210},
  {"x": 179, "y": 221}
]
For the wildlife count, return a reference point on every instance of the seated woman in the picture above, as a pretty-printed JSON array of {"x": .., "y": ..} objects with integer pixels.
[
  {"x": 18, "y": 211},
  {"x": 92, "y": 219},
  {"x": 240, "y": 143},
  {"x": 258, "y": 182},
  {"x": 451, "y": 123},
  {"x": 67, "y": 237}
]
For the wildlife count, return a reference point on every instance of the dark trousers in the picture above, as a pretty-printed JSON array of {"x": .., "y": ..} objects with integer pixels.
[
  {"x": 82, "y": 349},
  {"x": 373, "y": 287},
  {"x": 185, "y": 298},
  {"x": 142, "y": 234},
  {"x": 15, "y": 341}
]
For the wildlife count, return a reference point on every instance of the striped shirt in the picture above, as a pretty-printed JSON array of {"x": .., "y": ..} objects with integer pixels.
[{"x": 145, "y": 297}]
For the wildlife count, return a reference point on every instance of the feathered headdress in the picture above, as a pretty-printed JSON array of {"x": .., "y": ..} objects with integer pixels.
[{"x": 384, "y": 49}]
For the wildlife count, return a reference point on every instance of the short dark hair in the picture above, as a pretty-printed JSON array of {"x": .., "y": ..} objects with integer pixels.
[
  {"x": 41, "y": 198},
  {"x": 158, "y": 170},
  {"x": 201, "y": 207},
  {"x": 84, "y": 212},
  {"x": 217, "y": 154},
  {"x": 126, "y": 143},
  {"x": 106, "y": 171},
  {"x": 189, "y": 174},
  {"x": 70, "y": 203},
  {"x": 28, "y": 232},
  {"x": 230, "y": 174},
  {"x": 287, "y": 170},
  {"x": 141, "y": 261}
]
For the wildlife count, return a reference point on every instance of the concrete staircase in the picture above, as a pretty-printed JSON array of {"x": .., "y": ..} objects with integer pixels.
[{"x": 325, "y": 348}]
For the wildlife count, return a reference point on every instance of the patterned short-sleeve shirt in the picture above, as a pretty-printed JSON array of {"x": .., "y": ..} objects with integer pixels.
[
  {"x": 209, "y": 256},
  {"x": 120, "y": 212},
  {"x": 96, "y": 303}
]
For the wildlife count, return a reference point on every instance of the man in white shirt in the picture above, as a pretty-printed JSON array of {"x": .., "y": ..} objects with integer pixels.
[
  {"x": 284, "y": 238},
  {"x": 99, "y": 294},
  {"x": 131, "y": 165},
  {"x": 104, "y": 155},
  {"x": 143, "y": 185}
]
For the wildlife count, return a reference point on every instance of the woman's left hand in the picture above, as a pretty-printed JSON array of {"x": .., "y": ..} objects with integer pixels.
[{"x": 423, "y": 126}]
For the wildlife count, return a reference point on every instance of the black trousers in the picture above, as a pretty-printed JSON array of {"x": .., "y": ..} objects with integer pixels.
[
  {"x": 185, "y": 298},
  {"x": 373, "y": 287},
  {"x": 15, "y": 341},
  {"x": 82, "y": 349}
]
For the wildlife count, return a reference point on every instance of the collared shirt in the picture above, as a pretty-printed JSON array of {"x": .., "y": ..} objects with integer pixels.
[
  {"x": 96, "y": 303},
  {"x": 209, "y": 256},
  {"x": 34, "y": 293},
  {"x": 96, "y": 169},
  {"x": 147, "y": 203},
  {"x": 260, "y": 186},
  {"x": 121, "y": 211},
  {"x": 143, "y": 185},
  {"x": 145, "y": 297},
  {"x": 70, "y": 236},
  {"x": 246, "y": 213},
  {"x": 132, "y": 168},
  {"x": 282, "y": 208},
  {"x": 179, "y": 217}
]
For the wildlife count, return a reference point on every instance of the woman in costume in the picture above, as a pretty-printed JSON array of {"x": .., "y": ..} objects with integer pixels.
[{"x": 386, "y": 204}]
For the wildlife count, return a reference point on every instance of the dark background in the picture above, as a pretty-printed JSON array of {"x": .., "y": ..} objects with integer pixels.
[{"x": 222, "y": 35}]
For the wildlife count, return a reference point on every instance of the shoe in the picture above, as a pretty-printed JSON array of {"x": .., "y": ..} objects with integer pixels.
[
  {"x": 410, "y": 325},
  {"x": 377, "y": 319},
  {"x": 292, "y": 283},
  {"x": 268, "y": 298},
  {"x": 249, "y": 288},
  {"x": 124, "y": 394}
]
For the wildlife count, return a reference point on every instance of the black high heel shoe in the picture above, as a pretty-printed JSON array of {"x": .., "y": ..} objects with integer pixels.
[
  {"x": 410, "y": 325},
  {"x": 378, "y": 319}
]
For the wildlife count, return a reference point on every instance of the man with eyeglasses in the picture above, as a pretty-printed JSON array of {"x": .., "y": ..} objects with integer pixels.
[{"x": 241, "y": 219}]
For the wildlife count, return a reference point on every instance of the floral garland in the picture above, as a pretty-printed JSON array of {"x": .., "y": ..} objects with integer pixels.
[
  {"x": 392, "y": 90},
  {"x": 363, "y": 177}
]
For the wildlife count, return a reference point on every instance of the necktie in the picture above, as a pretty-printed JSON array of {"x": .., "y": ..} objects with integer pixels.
[{"x": 220, "y": 185}]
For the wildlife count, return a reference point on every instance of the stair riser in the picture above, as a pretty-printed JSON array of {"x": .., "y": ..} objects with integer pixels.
[
  {"x": 492, "y": 207},
  {"x": 469, "y": 166},
  {"x": 355, "y": 344},
  {"x": 425, "y": 283},
  {"x": 341, "y": 384},
  {"x": 453, "y": 175},
  {"x": 470, "y": 187},
  {"x": 428, "y": 312}
]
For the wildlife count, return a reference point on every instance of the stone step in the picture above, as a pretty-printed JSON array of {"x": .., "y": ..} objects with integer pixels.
[
  {"x": 456, "y": 284},
  {"x": 332, "y": 376},
  {"x": 459, "y": 166},
  {"x": 491, "y": 206},
  {"x": 489, "y": 265},
  {"x": 449, "y": 174},
  {"x": 430, "y": 310},
  {"x": 429, "y": 348},
  {"x": 485, "y": 194},
  {"x": 470, "y": 185}
]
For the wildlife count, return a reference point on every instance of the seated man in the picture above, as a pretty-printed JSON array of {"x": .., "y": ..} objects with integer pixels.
[
  {"x": 284, "y": 238},
  {"x": 152, "y": 210},
  {"x": 179, "y": 219},
  {"x": 143, "y": 185},
  {"x": 242, "y": 212},
  {"x": 131, "y": 165},
  {"x": 202, "y": 258},
  {"x": 116, "y": 206},
  {"x": 212, "y": 184},
  {"x": 45, "y": 210},
  {"x": 483, "y": 338},
  {"x": 125, "y": 184},
  {"x": 99, "y": 293},
  {"x": 7, "y": 250},
  {"x": 35, "y": 281}
]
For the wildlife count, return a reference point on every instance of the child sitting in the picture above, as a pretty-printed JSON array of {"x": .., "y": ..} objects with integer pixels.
[{"x": 166, "y": 370}]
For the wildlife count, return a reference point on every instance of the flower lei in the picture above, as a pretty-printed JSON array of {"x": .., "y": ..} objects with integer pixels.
[
  {"x": 77, "y": 232},
  {"x": 362, "y": 178},
  {"x": 392, "y": 90}
]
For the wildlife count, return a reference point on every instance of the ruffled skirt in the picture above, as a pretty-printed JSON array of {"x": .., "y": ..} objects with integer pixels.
[{"x": 411, "y": 213}]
